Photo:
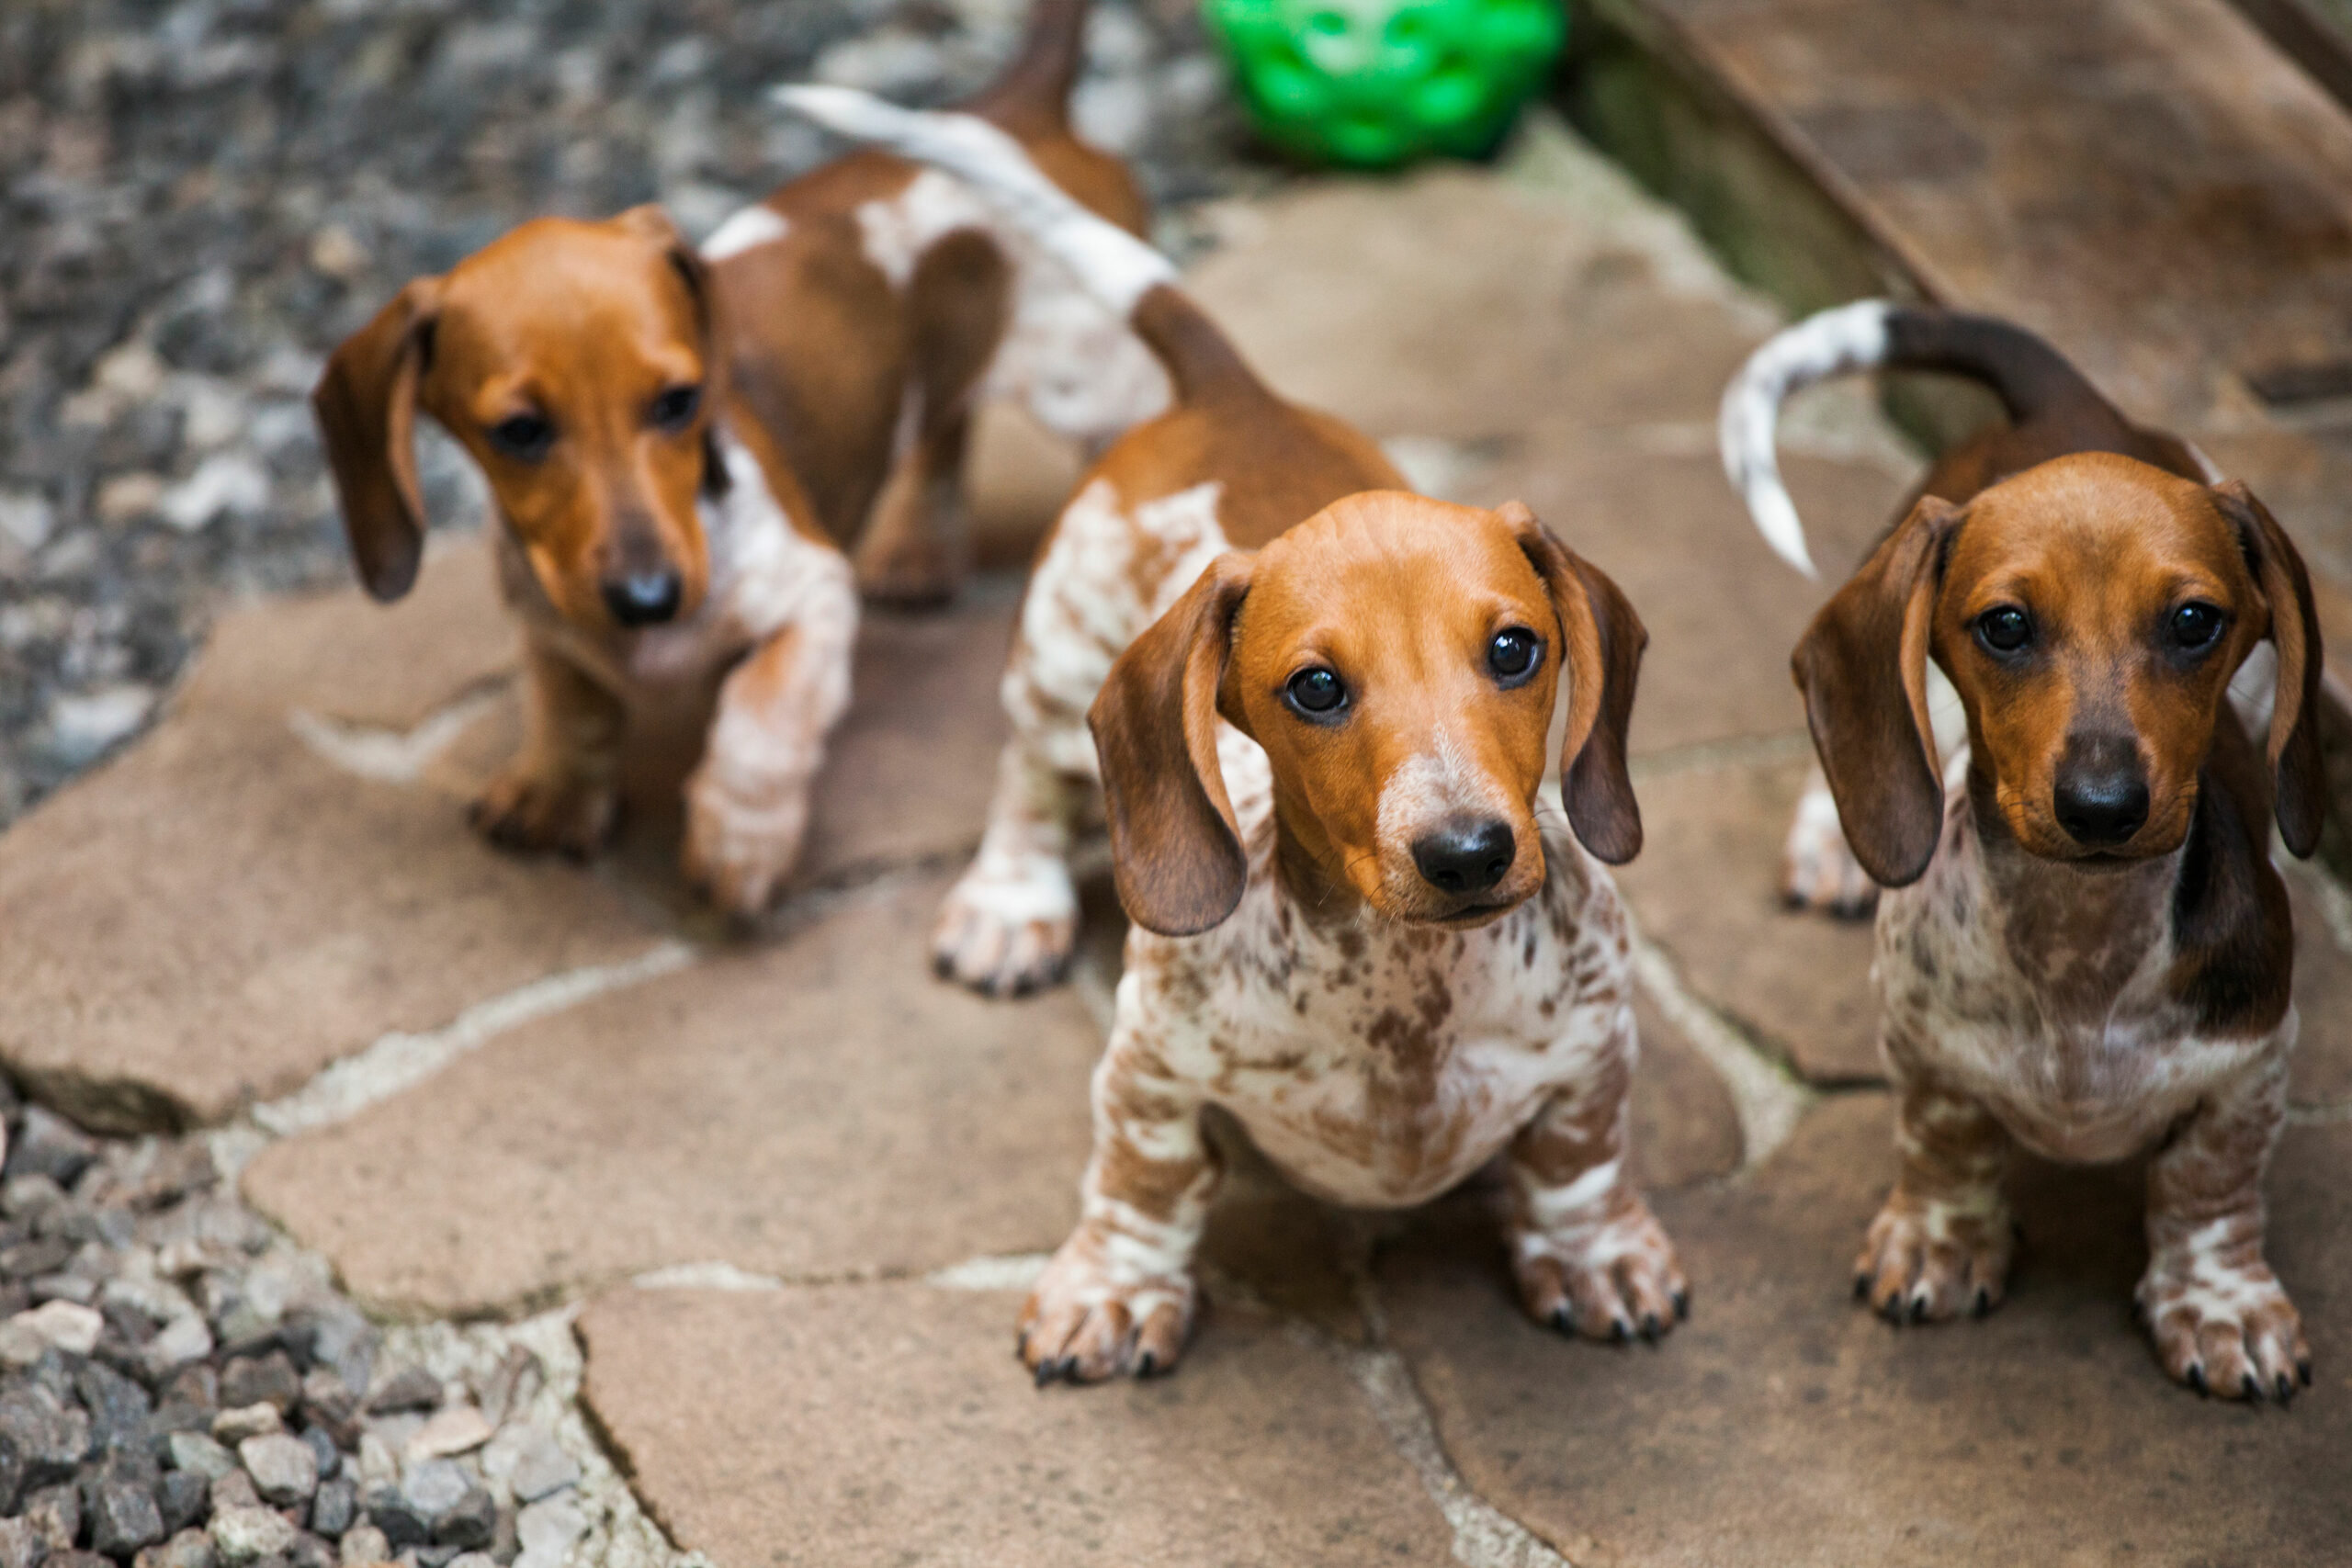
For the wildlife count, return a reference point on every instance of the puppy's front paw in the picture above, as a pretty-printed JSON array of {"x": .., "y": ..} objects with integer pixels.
[
  {"x": 1088, "y": 1320},
  {"x": 525, "y": 808},
  {"x": 1008, "y": 927},
  {"x": 1925, "y": 1260},
  {"x": 2224, "y": 1329},
  {"x": 735, "y": 854},
  {"x": 1818, "y": 870},
  {"x": 1610, "y": 1281}
]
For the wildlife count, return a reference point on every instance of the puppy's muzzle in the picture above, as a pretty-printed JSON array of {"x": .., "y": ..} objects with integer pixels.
[
  {"x": 643, "y": 598},
  {"x": 1464, "y": 858},
  {"x": 2100, "y": 796}
]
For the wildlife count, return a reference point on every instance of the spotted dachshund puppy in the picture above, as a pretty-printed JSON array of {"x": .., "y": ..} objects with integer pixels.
[
  {"x": 2083, "y": 947},
  {"x": 681, "y": 444},
  {"x": 1319, "y": 708}
]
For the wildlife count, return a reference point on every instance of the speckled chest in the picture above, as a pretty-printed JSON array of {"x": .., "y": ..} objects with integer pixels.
[
  {"x": 1378, "y": 1066},
  {"x": 2065, "y": 1028}
]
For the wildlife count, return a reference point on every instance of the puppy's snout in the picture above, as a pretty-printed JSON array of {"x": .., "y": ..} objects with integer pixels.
[
  {"x": 644, "y": 598},
  {"x": 2101, "y": 793},
  {"x": 1466, "y": 857}
]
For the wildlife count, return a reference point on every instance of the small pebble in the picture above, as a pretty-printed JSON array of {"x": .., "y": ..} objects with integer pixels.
[
  {"x": 71, "y": 1327},
  {"x": 434, "y": 1486},
  {"x": 183, "y": 1498},
  {"x": 195, "y": 1452},
  {"x": 238, "y": 1422},
  {"x": 55, "y": 1514},
  {"x": 366, "y": 1545},
  {"x": 335, "y": 1507},
  {"x": 452, "y": 1430},
  {"x": 240, "y": 1535},
  {"x": 284, "y": 1469},
  {"x": 411, "y": 1388},
  {"x": 187, "y": 1549},
  {"x": 469, "y": 1523},
  {"x": 122, "y": 1516},
  {"x": 548, "y": 1526},
  {"x": 540, "y": 1467}
]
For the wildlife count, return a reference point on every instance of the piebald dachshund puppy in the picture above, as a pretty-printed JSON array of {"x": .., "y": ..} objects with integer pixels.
[
  {"x": 1320, "y": 707},
  {"x": 679, "y": 444},
  {"x": 2083, "y": 948}
]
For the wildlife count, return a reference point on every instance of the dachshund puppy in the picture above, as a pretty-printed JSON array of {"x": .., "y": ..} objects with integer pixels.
[
  {"x": 1320, "y": 744},
  {"x": 679, "y": 444},
  {"x": 2083, "y": 948}
]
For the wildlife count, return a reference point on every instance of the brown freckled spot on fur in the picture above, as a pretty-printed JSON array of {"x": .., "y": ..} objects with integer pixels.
[
  {"x": 1351, "y": 941},
  {"x": 1547, "y": 1007}
]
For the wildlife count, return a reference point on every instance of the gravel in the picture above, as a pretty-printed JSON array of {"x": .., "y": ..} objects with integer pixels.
[
  {"x": 198, "y": 198},
  {"x": 284, "y": 1427}
]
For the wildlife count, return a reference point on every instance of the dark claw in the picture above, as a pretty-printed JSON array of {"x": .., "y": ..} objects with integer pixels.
[
  {"x": 1983, "y": 1302},
  {"x": 2196, "y": 1379},
  {"x": 1681, "y": 1306},
  {"x": 1146, "y": 1365},
  {"x": 1893, "y": 1310},
  {"x": 2286, "y": 1389},
  {"x": 1919, "y": 1309},
  {"x": 1651, "y": 1328},
  {"x": 1048, "y": 1370},
  {"x": 1563, "y": 1321},
  {"x": 2251, "y": 1387},
  {"x": 2303, "y": 1371},
  {"x": 1861, "y": 1287},
  {"x": 1620, "y": 1331}
]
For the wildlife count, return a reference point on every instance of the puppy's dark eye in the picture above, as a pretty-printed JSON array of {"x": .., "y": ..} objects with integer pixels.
[
  {"x": 523, "y": 437},
  {"x": 1512, "y": 654},
  {"x": 1317, "y": 692},
  {"x": 2005, "y": 628},
  {"x": 2196, "y": 625},
  {"x": 674, "y": 407}
]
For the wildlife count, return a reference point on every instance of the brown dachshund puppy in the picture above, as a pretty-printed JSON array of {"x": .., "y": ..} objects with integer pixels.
[
  {"x": 680, "y": 444},
  {"x": 2084, "y": 949},
  {"x": 1357, "y": 929}
]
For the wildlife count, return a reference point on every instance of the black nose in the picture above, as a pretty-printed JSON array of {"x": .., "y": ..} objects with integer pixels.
[
  {"x": 2101, "y": 795},
  {"x": 1466, "y": 857},
  {"x": 643, "y": 598}
]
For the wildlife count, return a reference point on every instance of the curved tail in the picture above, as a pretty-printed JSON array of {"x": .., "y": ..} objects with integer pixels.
[
  {"x": 2028, "y": 375},
  {"x": 1131, "y": 280},
  {"x": 1033, "y": 92}
]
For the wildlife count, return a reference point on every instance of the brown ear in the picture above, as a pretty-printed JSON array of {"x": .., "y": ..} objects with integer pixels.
[
  {"x": 1601, "y": 663},
  {"x": 1862, "y": 666},
  {"x": 366, "y": 405},
  {"x": 1175, "y": 848},
  {"x": 2299, "y": 779}
]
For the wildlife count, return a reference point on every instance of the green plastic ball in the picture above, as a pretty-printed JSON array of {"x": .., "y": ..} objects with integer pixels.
[{"x": 1376, "y": 82}]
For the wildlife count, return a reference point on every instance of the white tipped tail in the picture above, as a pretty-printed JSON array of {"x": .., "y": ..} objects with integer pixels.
[
  {"x": 1110, "y": 264},
  {"x": 1850, "y": 337}
]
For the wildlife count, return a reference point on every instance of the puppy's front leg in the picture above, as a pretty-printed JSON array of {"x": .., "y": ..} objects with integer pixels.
[
  {"x": 747, "y": 803},
  {"x": 558, "y": 792},
  {"x": 1119, "y": 1295},
  {"x": 2221, "y": 1321},
  {"x": 1589, "y": 1256},
  {"x": 1942, "y": 1240}
]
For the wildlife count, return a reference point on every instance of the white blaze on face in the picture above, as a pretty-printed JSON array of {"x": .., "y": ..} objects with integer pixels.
[{"x": 1438, "y": 786}]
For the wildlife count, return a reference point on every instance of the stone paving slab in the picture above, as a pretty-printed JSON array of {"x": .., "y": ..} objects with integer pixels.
[
  {"x": 1784, "y": 1425},
  {"x": 822, "y": 1107},
  {"x": 890, "y": 1424},
  {"x": 1706, "y": 889},
  {"x": 218, "y": 914}
]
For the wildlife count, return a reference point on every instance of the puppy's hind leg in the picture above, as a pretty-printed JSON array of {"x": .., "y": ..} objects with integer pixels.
[
  {"x": 1818, "y": 870},
  {"x": 913, "y": 552}
]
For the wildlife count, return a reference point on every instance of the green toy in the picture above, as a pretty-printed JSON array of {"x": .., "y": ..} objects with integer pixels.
[{"x": 1375, "y": 81}]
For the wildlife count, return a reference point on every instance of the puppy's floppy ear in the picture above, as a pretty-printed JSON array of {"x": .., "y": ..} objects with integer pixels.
[
  {"x": 1601, "y": 663},
  {"x": 2299, "y": 779},
  {"x": 1175, "y": 848},
  {"x": 365, "y": 406},
  {"x": 1862, "y": 666}
]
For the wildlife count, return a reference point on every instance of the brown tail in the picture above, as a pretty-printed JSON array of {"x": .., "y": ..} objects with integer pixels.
[
  {"x": 1201, "y": 360},
  {"x": 1031, "y": 97}
]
